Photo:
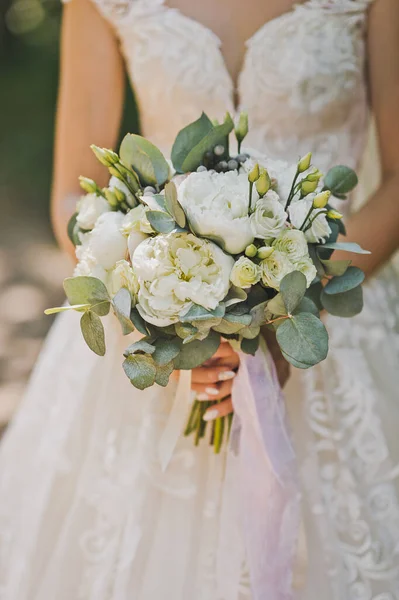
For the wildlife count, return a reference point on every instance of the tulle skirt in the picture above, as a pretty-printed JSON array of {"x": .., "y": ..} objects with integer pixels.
[{"x": 86, "y": 512}]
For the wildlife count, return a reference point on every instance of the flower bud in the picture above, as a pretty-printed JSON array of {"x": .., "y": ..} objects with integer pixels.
[
  {"x": 307, "y": 187},
  {"x": 241, "y": 129},
  {"x": 120, "y": 196},
  {"x": 304, "y": 163},
  {"x": 251, "y": 251},
  {"x": 88, "y": 185},
  {"x": 265, "y": 252},
  {"x": 105, "y": 156},
  {"x": 253, "y": 175},
  {"x": 334, "y": 214},
  {"x": 263, "y": 183},
  {"x": 111, "y": 197},
  {"x": 321, "y": 200},
  {"x": 314, "y": 175}
]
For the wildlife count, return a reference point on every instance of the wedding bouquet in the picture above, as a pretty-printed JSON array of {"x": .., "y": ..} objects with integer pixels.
[{"x": 209, "y": 245}]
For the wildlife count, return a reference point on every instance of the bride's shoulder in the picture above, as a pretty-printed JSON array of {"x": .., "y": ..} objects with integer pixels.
[
  {"x": 118, "y": 9},
  {"x": 339, "y": 5}
]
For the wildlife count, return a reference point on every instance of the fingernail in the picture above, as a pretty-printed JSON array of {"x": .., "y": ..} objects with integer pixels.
[
  {"x": 226, "y": 375},
  {"x": 202, "y": 397},
  {"x": 211, "y": 415},
  {"x": 212, "y": 391}
]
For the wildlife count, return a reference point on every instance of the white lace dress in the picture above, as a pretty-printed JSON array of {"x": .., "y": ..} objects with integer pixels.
[{"x": 86, "y": 512}]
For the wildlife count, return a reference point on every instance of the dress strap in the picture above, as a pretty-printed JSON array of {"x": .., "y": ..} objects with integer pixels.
[{"x": 340, "y": 5}]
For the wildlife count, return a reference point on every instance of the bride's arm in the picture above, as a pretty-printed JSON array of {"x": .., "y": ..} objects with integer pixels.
[
  {"x": 90, "y": 104},
  {"x": 376, "y": 225}
]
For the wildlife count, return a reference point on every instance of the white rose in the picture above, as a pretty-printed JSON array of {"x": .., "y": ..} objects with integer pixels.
[
  {"x": 245, "y": 273},
  {"x": 136, "y": 220},
  {"x": 89, "y": 208},
  {"x": 298, "y": 211},
  {"x": 114, "y": 182},
  {"x": 107, "y": 243},
  {"x": 305, "y": 265},
  {"x": 269, "y": 218},
  {"x": 216, "y": 205},
  {"x": 274, "y": 269},
  {"x": 292, "y": 242},
  {"x": 123, "y": 276},
  {"x": 176, "y": 270}
]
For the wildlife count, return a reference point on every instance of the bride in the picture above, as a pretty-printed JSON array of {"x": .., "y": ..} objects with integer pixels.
[{"x": 86, "y": 512}]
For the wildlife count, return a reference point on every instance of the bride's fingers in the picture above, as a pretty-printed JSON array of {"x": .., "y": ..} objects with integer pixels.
[
  {"x": 212, "y": 374},
  {"x": 220, "y": 410},
  {"x": 215, "y": 391}
]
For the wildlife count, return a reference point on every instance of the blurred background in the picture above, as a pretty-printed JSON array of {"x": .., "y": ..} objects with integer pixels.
[{"x": 31, "y": 267}]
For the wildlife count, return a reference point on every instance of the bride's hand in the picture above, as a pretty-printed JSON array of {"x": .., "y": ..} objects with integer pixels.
[{"x": 214, "y": 379}]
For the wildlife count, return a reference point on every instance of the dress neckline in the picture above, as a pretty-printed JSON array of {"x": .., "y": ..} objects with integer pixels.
[{"x": 235, "y": 81}]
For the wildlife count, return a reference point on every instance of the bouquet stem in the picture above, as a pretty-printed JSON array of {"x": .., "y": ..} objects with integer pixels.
[{"x": 196, "y": 425}]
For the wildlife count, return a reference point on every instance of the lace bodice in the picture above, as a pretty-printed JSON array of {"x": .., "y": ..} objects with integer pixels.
[{"x": 302, "y": 79}]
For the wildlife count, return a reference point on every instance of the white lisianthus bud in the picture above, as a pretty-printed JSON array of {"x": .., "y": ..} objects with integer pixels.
[
  {"x": 251, "y": 251},
  {"x": 263, "y": 183},
  {"x": 304, "y": 163},
  {"x": 254, "y": 173},
  {"x": 292, "y": 243},
  {"x": 123, "y": 276},
  {"x": 245, "y": 273},
  {"x": 274, "y": 269},
  {"x": 319, "y": 229},
  {"x": 321, "y": 200},
  {"x": 334, "y": 214},
  {"x": 136, "y": 220},
  {"x": 241, "y": 129},
  {"x": 88, "y": 185},
  {"x": 265, "y": 252},
  {"x": 269, "y": 218},
  {"x": 306, "y": 266},
  {"x": 307, "y": 187},
  {"x": 90, "y": 208},
  {"x": 105, "y": 156},
  {"x": 315, "y": 175}
]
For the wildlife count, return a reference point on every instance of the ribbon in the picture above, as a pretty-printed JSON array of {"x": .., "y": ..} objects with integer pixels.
[{"x": 267, "y": 471}]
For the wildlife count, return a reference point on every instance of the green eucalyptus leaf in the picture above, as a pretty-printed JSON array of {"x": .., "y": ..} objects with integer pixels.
[
  {"x": 163, "y": 373},
  {"x": 145, "y": 159},
  {"x": 73, "y": 230},
  {"x": 346, "y": 246},
  {"x": 160, "y": 199},
  {"x": 139, "y": 322},
  {"x": 307, "y": 305},
  {"x": 145, "y": 346},
  {"x": 258, "y": 314},
  {"x": 243, "y": 319},
  {"x": 304, "y": 339},
  {"x": 59, "y": 309},
  {"x": 166, "y": 350},
  {"x": 93, "y": 332},
  {"x": 276, "y": 306},
  {"x": 122, "y": 305},
  {"x": 216, "y": 136},
  {"x": 257, "y": 295},
  {"x": 335, "y": 267},
  {"x": 250, "y": 346},
  {"x": 292, "y": 289},
  {"x": 295, "y": 363},
  {"x": 235, "y": 296},
  {"x": 340, "y": 180},
  {"x": 141, "y": 370},
  {"x": 188, "y": 138},
  {"x": 185, "y": 330},
  {"x": 199, "y": 313},
  {"x": 352, "y": 277},
  {"x": 195, "y": 353},
  {"x": 316, "y": 260},
  {"x": 347, "y": 304},
  {"x": 88, "y": 290},
  {"x": 314, "y": 293},
  {"x": 250, "y": 332},
  {"x": 161, "y": 221},
  {"x": 228, "y": 327},
  {"x": 173, "y": 206}
]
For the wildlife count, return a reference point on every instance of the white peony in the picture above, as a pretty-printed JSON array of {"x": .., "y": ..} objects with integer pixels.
[
  {"x": 89, "y": 208},
  {"x": 135, "y": 238},
  {"x": 274, "y": 269},
  {"x": 320, "y": 229},
  {"x": 216, "y": 205},
  {"x": 305, "y": 265},
  {"x": 107, "y": 244},
  {"x": 176, "y": 270},
  {"x": 269, "y": 218},
  {"x": 245, "y": 273},
  {"x": 123, "y": 276},
  {"x": 87, "y": 264},
  {"x": 292, "y": 243}
]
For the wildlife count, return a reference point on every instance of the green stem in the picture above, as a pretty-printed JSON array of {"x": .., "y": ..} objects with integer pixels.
[
  {"x": 239, "y": 146},
  {"x": 292, "y": 191},
  {"x": 218, "y": 434},
  {"x": 307, "y": 217},
  {"x": 251, "y": 187},
  {"x": 309, "y": 225}
]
